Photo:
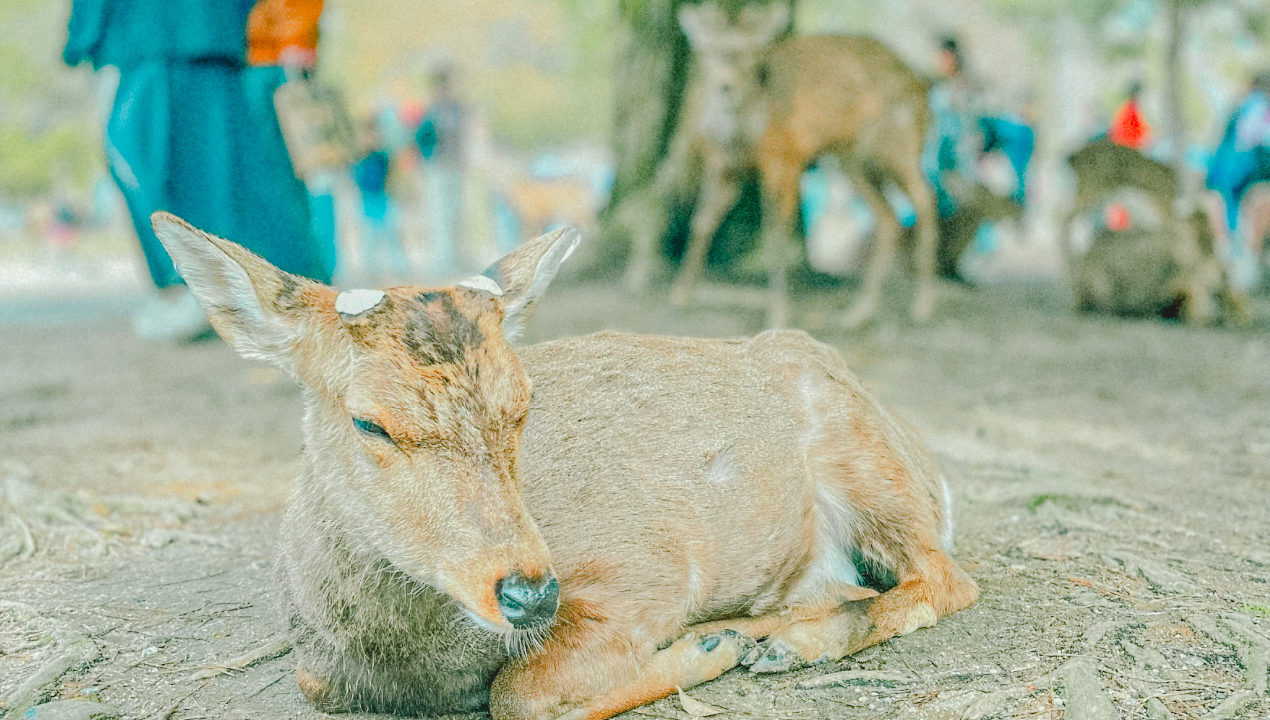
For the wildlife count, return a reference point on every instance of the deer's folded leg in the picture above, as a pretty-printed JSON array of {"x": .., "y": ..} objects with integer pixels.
[
  {"x": 576, "y": 680},
  {"x": 917, "y": 602}
]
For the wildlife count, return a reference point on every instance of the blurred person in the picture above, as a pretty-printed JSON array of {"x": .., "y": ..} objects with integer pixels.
[
  {"x": 442, "y": 143},
  {"x": 1241, "y": 160},
  {"x": 954, "y": 101},
  {"x": 282, "y": 37},
  {"x": 380, "y": 243},
  {"x": 180, "y": 138},
  {"x": 1012, "y": 135},
  {"x": 1129, "y": 126}
]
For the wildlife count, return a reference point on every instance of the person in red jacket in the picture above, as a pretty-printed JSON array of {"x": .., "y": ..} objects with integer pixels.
[
  {"x": 1129, "y": 128},
  {"x": 282, "y": 38}
]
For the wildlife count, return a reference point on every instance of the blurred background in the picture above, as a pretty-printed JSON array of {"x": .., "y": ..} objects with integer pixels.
[
  {"x": 571, "y": 104},
  {"x": 1109, "y": 467}
]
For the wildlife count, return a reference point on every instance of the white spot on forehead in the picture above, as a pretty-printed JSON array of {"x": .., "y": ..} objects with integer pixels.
[
  {"x": 356, "y": 302},
  {"x": 482, "y": 282}
]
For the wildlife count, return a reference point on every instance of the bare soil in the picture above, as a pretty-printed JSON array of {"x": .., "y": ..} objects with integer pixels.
[{"x": 1112, "y": 481}]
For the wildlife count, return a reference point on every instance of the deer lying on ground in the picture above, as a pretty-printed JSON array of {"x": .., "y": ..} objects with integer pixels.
[
  {"x": 775, "y": 108},
  {"x": 1170, "y": 270},
  {"x": 1157, "y": 272},
  {"x": 583, "y": 524}
]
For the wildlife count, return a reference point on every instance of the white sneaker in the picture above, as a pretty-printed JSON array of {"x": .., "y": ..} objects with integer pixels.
[{"x": 175, "y": 316}]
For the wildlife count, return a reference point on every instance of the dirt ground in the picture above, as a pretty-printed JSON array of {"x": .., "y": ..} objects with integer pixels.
[{"x": 1112, "y": 482}]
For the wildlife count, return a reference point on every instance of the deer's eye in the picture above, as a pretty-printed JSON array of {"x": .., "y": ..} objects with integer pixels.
[{"x": 370, "y": 428}]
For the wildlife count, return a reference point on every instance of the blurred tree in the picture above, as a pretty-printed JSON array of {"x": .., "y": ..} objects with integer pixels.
[
  {"x": 652, "y": 72},
  {"x": 48, "y": 125}
]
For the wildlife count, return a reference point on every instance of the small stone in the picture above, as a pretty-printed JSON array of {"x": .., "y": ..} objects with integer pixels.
[
  {"x": 158, "y": 538},
  {"x": 72, "y": 710}
]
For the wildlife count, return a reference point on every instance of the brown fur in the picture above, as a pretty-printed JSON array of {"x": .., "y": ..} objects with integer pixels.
[
  {"x": 1157, "y": 272},
  {"x": 666, "y": 482},
  {"x": 776, "y": 108}
]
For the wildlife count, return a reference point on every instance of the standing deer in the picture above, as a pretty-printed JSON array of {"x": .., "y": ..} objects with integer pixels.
[
  {"x": 775, "y": 108},
  {"x": 575, "y": 528}
]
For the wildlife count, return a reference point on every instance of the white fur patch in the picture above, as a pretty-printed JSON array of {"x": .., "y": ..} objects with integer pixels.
[
  {"x": 946, "y": 533},
  {"x": 483, "y": 283},
  {"x": 723, "y": 468},
  {"x": 356, "y": 302}
]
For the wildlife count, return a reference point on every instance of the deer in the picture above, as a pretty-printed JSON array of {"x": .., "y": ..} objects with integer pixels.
[
  {"x": 1173, "y": 270},
  {"x": 1163, "y": 272},
  {"x": 774, "y": 107},
  {"x": 578, "y": 527},
  {"x": 976, "y": 205}
]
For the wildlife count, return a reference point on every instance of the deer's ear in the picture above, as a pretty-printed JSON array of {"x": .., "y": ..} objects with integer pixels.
[
  {"x": 257, "y": 308},
  {"x": 767, "y": 21},
  {"x": 697, "y": 21},
  {"x": 522, "y": 276}
]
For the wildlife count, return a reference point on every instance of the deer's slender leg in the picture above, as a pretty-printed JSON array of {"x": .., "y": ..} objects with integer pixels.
[
  {"x": 934, "y": 588},
  {"x": 719, "y": 191},
  {"x": 642, "y": 216},
  {"x": 887, "y": 234},
  {"x": 927, "y": 247},
  {"x": 761, "y": 626},
  {"x": 597, "y": 672},
  {"x": 780, "y": 204}
]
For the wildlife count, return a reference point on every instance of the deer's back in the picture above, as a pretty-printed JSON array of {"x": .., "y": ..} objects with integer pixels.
[
  {"x": 845, "y": 90},
  {"x": 1103, "y": 166},
  {"x": 659, "y": 464}
]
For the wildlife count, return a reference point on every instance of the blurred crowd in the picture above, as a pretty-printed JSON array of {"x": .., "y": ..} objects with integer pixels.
[{"x": 221, "y": 116}]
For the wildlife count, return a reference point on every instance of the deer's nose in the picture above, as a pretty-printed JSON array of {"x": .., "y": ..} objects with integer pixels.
[{"x": 526, "y": 603}]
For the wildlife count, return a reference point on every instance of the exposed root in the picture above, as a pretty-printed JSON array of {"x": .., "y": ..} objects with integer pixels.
[
  {"x": 268, "y": 651},
  {"x": 71, "y": 650}
]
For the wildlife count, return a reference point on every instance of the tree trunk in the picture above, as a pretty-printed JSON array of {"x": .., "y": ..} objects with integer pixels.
[
  {"x": 652, "y": 73},
  {"x": 1174, "y": 114}
]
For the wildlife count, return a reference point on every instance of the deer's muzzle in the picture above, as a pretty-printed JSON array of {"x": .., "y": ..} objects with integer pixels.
[{"x": 528, "y": 603}]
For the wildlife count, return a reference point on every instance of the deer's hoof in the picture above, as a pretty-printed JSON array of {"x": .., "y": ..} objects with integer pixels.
[
  {"x": 680, "y": 295},
  {"x": 923, "y": 305},
  {"x": 733, "y": 640},
  {"x": 773, "y": 656},
  {"x": 859, "y": 315},
  {"x": 636, "y": 278}
]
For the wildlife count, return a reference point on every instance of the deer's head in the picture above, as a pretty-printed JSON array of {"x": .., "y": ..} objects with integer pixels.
[
  {"x": 416, "y": 406},
  {"x": 729, "y": 52}
]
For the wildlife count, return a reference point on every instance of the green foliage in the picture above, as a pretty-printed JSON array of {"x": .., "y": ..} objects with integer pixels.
[
  {"x": 1262, "y": 610},
  {"x": 33, "y": 164}
]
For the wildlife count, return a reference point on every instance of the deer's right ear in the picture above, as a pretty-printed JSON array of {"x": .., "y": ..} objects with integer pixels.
[
  {"x": 523, "y": 275},
  {"x": 257, "y": 308},
  {"x": 692, "y": 20}
]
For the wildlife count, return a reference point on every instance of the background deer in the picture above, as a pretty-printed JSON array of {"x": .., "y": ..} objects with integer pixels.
[
  {"x": 976, "y": 205},
  {"x": 775, "y": 108},
  {"x": 545, "y": 519},
  {"x": 1170, "y": 270}
]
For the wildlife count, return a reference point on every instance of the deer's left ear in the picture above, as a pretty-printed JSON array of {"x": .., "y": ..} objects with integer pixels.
[
  {"x": 698, "y": 21},
  {"x": 522, "y": 276},
  {"x": 257, "y": 308}
]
